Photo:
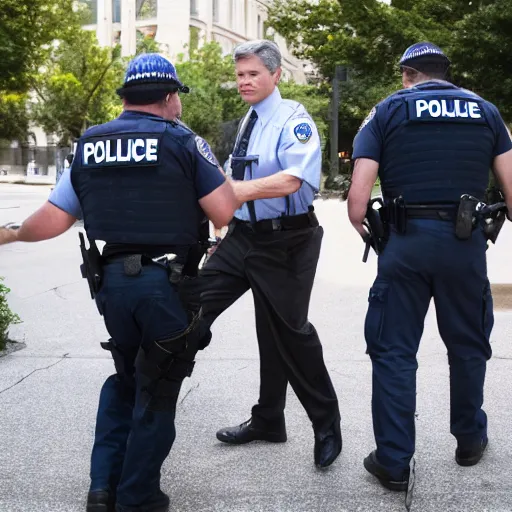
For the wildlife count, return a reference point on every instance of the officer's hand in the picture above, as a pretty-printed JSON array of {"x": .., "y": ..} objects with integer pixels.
[{"x": 8, "y": 234}]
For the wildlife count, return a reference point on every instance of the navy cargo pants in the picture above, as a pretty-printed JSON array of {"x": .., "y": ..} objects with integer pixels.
[
  {"x": 428, "y": 261},
  {"x": 132, "y": 442}
]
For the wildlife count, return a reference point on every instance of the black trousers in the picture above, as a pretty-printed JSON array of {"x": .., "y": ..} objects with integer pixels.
[{"x": 279, "y": 268}]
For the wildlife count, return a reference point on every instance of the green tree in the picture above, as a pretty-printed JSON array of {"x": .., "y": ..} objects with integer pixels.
[
  {"x": 13, "y": 116},
  {"x": 369, "y": 36},
  {"x": 77, "y": 88},
  {"x": 27, "y": 28},
  {"x": 213, "y": 98}
]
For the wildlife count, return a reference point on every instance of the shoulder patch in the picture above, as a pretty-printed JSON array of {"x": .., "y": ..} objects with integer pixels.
[
  {"x": 369, "y": 117},
  {"x": 303, "y": 132},
  {"x": 205, "y": 151}
]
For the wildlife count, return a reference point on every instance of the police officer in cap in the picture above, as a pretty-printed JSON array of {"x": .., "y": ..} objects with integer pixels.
[
  {"x": 142, "y": 183},
  {"x": 429, "y": 144}
]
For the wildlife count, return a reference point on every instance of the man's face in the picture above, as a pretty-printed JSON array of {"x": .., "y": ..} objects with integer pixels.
[{"x": 254, "y": 80}]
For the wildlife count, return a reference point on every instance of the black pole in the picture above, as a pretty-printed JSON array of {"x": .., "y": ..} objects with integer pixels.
[{"x": 340, "y": 75}]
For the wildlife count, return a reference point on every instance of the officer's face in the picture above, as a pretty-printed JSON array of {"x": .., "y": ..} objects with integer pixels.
[{"x": 255, "y": 82}]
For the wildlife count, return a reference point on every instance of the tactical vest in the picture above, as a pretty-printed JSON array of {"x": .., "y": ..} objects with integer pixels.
[
  {"x": 133, "y": 185},
  {"x": 442, "y": 147}
]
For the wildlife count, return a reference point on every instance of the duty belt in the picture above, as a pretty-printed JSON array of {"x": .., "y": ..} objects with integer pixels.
[
  {"x": 285, "y": 223},
  {"x": 436, "y": 212}
]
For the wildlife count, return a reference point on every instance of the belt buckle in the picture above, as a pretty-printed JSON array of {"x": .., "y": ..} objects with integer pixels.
[{"x": 276, "y": 225}]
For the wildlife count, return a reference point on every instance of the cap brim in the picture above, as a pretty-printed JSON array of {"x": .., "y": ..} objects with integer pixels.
[{"x": 151, "y": 87}]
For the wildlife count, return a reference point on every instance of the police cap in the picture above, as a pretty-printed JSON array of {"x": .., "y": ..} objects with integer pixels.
[
  {"x": 151, "y": 73},
  {"x": 424, "y": 57}
]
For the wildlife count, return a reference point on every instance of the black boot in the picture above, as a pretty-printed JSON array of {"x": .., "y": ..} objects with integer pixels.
[
  {"x": 100, "y": 501},
  {"x": 374, "y": 467},
  {"x": 471, "y": 455}
]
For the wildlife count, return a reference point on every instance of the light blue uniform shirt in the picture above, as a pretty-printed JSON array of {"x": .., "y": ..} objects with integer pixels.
[
  {"x": 63, "y": 195},
  {"x": 285, "y": 138}
]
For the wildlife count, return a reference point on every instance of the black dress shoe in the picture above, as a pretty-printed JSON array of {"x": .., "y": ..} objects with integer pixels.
[
  {"x": 246, "y": 432},
  {"x": 373, "y": 466},
  {"x": 471, "y": 455},
  {"x": 101, "y": 501},
  {"x": 328, "y": 445}
]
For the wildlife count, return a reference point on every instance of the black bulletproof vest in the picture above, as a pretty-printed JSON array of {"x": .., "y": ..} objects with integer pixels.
[
  {"x": 439, "y": 147},
  {"x": 134, "y": 180}
]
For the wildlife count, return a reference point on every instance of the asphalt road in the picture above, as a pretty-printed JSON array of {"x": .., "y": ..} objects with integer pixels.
[{"x": 49, "y": 392}]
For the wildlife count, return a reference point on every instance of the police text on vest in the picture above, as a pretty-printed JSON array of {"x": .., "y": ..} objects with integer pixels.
[
  {"x": 109, "y": 151},
  {"x": 447, "y": 108}
]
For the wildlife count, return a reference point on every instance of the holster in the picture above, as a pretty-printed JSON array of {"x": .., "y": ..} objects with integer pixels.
[
  {"x": 91, "y": 268},
  {"x": 377, "y": 226},
  {"x": 163, "y": 364},
  {"x": 465, "y": 221}
]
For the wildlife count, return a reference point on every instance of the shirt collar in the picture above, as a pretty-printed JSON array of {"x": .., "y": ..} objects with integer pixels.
[{"x": 267, "y": 108}]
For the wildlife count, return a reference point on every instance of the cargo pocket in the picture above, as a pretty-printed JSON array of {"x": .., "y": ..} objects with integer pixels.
[
  {"x": 487, "y": 311},
  {"x": 374, "y": 323}
]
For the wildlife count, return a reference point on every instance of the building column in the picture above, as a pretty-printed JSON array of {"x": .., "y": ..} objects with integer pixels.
[
  {"x": 104, "y": 23},
  {"x": 128, "y": 31}
]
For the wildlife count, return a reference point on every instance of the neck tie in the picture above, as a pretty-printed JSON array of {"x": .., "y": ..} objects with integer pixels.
[
  {"x": 238, "y": 166},
  {"x": 239, "y": 163}
]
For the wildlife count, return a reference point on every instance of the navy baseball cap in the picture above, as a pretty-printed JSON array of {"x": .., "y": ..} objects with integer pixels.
[
  {"x": 421, "y": 56},
  {"x": 151, "y": 72}
]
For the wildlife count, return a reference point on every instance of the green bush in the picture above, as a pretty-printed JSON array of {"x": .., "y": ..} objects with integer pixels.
[{"x": 7, "y": 317}]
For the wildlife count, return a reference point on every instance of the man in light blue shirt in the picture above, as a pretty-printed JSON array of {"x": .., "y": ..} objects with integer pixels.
[{"x": 272, "y": 247}]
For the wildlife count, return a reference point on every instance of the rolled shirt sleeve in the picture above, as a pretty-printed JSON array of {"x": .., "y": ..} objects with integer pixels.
[
  {"x": 299, "y": 151},
  {"x": 63, "y": 195}
]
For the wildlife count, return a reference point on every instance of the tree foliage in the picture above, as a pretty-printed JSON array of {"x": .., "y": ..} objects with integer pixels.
[
  {"x": 77, "y": 87},
  {"x": 27, "y": 28},
  {"x": 369, "y": 36},
  {"x": 14, "y": 119}
]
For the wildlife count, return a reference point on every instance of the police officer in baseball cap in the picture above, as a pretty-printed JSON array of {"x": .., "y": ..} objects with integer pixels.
[
  {"x": 142, "y": 183},
  {"x": 431, "y": 144}
]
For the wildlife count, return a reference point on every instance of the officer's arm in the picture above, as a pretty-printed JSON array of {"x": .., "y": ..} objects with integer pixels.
[
  {"x": 366, "y": 153},
  {"x": 47, "y": 222},
  {"x": 215, "y": 194},
  {"x": 503, "y": 171},
  {"x": 55, "y": 217},
  {"x": 300, "y": 157},
  {"x": 502, "y": 164},
  {"x": 363, "y": 180},
  {"x": 220, "y": 205}
]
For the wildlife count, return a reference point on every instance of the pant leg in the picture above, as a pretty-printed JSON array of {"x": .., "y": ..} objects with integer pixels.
[
  {"x": 136, "y": 310},
  {"x": 222, "y": 281},
  {"x": 281, "y": 268},
  {"x": 398, "y": 302},
  {"x": 465, "y": 318}
]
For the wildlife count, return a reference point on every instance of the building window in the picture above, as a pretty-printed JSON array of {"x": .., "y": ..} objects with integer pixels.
[
  {"x": 91, "y": 9},
  {"x": 215, "y": 10},
  {"x": 193, "y": 7},
  {"x": 146, "y": 9},
  {"x": 116, "y": 11},
  {"x": 259, "y": 27}
]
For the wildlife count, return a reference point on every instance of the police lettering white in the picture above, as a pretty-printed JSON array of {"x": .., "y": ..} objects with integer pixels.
[
  {"x": 446, "y": 108},
  {"x": 110, "y": 151}
]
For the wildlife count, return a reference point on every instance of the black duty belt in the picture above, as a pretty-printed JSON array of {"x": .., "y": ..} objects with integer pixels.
[
  {"x": 393, "y": 213},
  {"x": 285, "y": 223},
  {"x": 434, "y": 212}
]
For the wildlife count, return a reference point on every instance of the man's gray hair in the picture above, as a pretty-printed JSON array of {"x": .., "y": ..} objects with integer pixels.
[{"x": 266, "y": 50}]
